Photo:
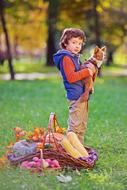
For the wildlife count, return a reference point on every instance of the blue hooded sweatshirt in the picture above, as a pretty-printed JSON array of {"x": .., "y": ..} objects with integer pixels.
[{"x": 73, "y": 90}]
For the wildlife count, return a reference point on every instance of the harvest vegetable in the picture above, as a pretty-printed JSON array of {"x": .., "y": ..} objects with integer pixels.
[
  {"x": 70, "y": 149},
  {"x": 37, "y": 163},
  {"x": 73, "y": 139}
]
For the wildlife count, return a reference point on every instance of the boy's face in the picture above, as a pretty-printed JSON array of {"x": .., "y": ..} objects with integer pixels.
[{"x": 74, "y": 45}]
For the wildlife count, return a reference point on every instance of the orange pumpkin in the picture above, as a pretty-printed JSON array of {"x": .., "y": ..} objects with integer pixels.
[
  {"x": 35, "y": 138},
  {"x": 60, "y": 130}
]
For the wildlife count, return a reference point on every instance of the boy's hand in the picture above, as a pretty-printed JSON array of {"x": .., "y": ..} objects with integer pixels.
[
  {"x": 90, "y": 72},
  {"x": 91, "y": 69}
]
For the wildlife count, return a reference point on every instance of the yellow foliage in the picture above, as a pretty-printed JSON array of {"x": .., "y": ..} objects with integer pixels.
[
  {"x": 3, "y": 161},
  {"x": 32, "y": 33}
]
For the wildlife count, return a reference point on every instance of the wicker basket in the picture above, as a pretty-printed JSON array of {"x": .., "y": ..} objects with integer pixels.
[
  {"x": 58, "y": 153},
  {"x": 64, "y": 159}
]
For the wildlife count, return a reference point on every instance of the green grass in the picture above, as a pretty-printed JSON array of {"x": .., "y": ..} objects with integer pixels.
[
  {"x": 29, "y": 103},
  {"x": 28, "y": 66}
]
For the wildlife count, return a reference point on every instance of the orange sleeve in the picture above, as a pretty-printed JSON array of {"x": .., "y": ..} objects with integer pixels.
[{"x": 72, "y": 75}]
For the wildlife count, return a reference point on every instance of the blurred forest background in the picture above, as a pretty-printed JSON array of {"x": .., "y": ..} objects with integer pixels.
[{"x": 30, "y": 30}]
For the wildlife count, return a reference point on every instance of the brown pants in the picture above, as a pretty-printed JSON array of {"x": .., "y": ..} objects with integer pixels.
[{"x": 78, "y": 114}]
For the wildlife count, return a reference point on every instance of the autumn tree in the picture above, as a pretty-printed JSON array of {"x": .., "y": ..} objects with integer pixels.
[
  {"x": 114, "y": 30},
  {"x": 3, "y": 5},
  {"x": 103, "y": 21},
  {"x": 52, "y": 31},
  {"x": 84, "y": 14},
  {"x": 27, "y": 24}
]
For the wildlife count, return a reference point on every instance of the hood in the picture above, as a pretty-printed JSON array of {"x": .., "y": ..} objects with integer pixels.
[{"x": 57, "y": 57}]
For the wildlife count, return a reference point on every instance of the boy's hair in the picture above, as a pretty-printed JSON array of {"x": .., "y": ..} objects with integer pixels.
[{"x": 69, "y": 33}]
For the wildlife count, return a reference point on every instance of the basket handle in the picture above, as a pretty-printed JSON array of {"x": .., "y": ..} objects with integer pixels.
[{"x": 52, "y": 124}]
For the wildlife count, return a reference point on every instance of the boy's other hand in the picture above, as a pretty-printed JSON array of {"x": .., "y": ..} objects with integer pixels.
[{"x": 91, "y": 69}]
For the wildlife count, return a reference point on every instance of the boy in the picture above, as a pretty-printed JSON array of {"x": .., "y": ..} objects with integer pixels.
[{"x": 67, "y": 61}]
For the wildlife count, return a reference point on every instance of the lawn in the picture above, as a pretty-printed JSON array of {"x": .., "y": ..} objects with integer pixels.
[
  {"x": 28, "y": 104},
  {"x": 27, "y": 65}
]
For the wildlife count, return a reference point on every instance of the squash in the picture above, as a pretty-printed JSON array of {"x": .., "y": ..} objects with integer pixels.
[
  {"x": 57, "y": 136},
  {"x": 52, "y": 138},
  {"x": 70, "y": 149},
  {"x": 74, "y": 141}
]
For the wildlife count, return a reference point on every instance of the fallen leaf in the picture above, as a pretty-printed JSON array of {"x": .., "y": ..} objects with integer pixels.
[{"x": 64, "y": 179}]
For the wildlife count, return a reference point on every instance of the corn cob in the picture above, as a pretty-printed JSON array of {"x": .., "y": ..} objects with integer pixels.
[
  {"x": 70, "y": 149},
  {"x": 74, "y": 141}
]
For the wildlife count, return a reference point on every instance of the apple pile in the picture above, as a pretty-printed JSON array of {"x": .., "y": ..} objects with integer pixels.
[{"x": 37, "y": 163}]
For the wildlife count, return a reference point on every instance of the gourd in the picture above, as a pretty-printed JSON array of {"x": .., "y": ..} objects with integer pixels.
[
  {"x": 74, "y": 141},
  {"x": 57, "y": 136},
  {"x": 70, "y": 149}
]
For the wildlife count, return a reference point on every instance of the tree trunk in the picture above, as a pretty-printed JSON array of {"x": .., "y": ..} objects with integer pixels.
[
  {"x": 51, "y": 22},
  {"x": 97, "y": 27},
  {"x": 9, "y": 56},
  {"x": 16, "y": 55},
  {"x": 50, "y": 47},
  {"x": 109, "y": 58}
]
